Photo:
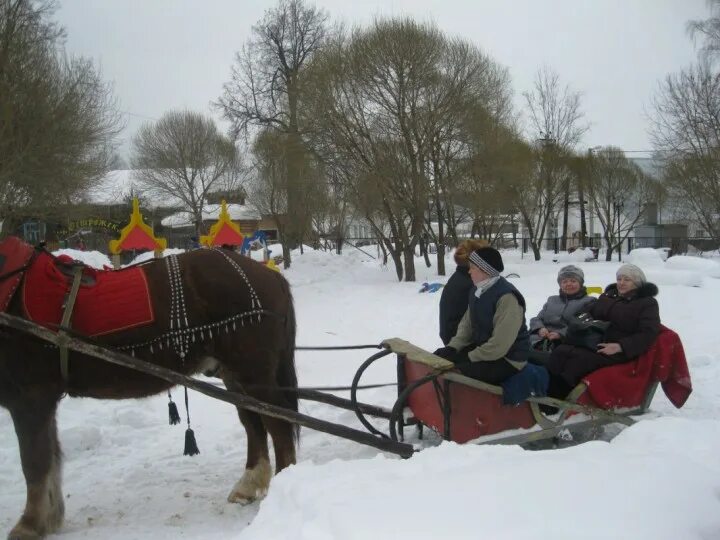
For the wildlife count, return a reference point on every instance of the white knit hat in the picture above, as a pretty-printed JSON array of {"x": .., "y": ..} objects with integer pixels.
[{"x": 633, "y": 272}]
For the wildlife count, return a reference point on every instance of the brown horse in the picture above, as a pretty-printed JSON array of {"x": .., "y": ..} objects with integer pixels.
[{"x": 213, "y": 309}]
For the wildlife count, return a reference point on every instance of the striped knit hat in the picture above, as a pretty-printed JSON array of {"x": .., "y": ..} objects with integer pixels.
[{"x": 487, "y": 259}]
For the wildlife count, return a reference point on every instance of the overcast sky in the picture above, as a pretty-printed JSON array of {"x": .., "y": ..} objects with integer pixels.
[{"x": 170, "y": 54}]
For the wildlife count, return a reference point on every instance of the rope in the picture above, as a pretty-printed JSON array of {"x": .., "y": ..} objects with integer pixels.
[
  {"x": 187, "y": 408},
  {"x": 315, "y": 388},
  {"x": 339, "y": 348}
]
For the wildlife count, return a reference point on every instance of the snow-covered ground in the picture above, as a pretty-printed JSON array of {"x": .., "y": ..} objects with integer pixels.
[{"x": 125, "y": 476}]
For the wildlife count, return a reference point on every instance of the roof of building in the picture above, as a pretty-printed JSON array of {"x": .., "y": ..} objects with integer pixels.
[
  {"x": 117, "y": 186},
  {"x": 238, "y": 212}
]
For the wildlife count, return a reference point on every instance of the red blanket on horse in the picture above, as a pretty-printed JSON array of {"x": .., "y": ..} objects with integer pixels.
[
  {"x": 624, "y": 385},
  {"x": 112, "y": 300}
]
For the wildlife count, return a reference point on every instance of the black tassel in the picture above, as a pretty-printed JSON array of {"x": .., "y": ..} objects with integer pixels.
[
  {"x": 174, "y": 414},
  {"x": 191, "y": 448}
]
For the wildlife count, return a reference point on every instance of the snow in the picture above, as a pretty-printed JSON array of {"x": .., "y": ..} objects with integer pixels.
[
  {"x": 579, "y": 255},
  {"x": 644, "y": 257},
  {"x": 125, "y": 477},
  {"x": 94, "y": 259},
  {"x": 535, "y": 501},
  {"x": 666, "y": 276},
  {"x": 211, "y": 212},
  {"x": 704, "y": 266}
]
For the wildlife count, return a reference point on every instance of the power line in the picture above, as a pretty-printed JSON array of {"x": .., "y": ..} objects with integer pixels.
[{"x": 138, "y": 115}]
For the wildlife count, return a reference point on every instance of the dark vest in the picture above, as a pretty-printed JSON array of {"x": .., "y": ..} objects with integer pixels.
[{"x": 482, "y": 311}]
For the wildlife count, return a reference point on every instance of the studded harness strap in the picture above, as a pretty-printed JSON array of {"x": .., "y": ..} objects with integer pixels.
[{"x": 181, "y": 334}]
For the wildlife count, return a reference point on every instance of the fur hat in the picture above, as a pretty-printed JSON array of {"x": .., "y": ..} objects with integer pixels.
[
  {"x": 633, "y": 272},
  {"x": 465, "y": 248},
  {"x": 487, "y": 259},
  {"x": 571, "y": 271}
]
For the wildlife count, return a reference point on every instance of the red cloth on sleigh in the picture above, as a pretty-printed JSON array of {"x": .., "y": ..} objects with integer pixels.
[
  {"x": 625, "y": 385},
  {"x": 113, "y": 301}
]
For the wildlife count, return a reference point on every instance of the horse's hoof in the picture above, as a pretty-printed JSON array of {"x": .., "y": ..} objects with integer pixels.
[
  {"x": 253, "y": 485},
  {"x": 238, "y": 497},
  {"x": 20, "y": 532}
]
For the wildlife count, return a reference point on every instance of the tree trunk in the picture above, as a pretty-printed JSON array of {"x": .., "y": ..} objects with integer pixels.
[
  {"x": 398, "y": 263},
  {"x": 424, "y": 244},
  {"x": 441, "y": 258},
  {"x": 381, "y": 247},
  {"x": 583, "y": 223},
  {"x": 566, "y": 208},
  {"x": 409, "y": 256},
  {"x": 287, "y": 258},
  {"x": 536, "y": 250},
  {"x": 608, "y": 255}
]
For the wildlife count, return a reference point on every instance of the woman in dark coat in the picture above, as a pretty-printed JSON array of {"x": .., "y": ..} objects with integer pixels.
[
  {"x": 455, "y": 295},
  {"x": 630, "y": 307}
]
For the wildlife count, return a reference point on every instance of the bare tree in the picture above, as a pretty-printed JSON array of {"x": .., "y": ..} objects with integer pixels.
[
  {"x": 57, "y": 117},
  {"x": 387, "y": 99},
  {"x": 536, "y": 177},
  {"x": 265, "y": 90},
  {"x": 707, "y": 31},
  {"x": 463, "y": 150},
  {"x": 556, "y": 116},
  {"x": 619, "y": 192},
  {"x": 183, "y": 157},
  {"x": 490, "y": 141},
  {"x": 686, "y": 129},
  {"x": 267, "y": 191}
]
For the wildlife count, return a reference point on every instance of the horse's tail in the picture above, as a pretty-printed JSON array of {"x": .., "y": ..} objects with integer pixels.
[{"x": 286, "y": 375}]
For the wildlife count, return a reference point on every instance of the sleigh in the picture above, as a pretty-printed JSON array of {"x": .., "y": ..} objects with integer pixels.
[{"x": 461, "y": 409}]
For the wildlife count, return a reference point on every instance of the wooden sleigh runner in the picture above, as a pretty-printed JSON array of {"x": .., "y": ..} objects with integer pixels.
[{"x": 462, "y": 409}]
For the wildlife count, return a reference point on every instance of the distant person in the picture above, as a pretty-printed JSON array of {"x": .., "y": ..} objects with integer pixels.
[
  {"x": 548, "y": 328},
  {"x": 630, "y": 307},
  {"x": 456, "y": 293},
  {"x": 193, "y": 243},
  {"x": 80, "y": 245},
  {"x": 492, "y": 342}
]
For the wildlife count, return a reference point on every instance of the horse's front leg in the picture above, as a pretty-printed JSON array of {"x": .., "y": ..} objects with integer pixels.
[{"x": 40, "y": 456}]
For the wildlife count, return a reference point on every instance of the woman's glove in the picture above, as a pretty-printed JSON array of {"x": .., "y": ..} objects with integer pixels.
[
  {"x": 462, "y": 356},
  {"x": 448, "y": 353}
]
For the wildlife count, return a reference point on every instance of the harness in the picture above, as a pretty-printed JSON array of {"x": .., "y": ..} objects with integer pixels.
[
  {"x": 181, "y": 333},
  {"x": 68, "y": 305}
]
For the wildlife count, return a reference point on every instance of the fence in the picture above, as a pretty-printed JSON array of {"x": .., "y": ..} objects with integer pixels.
[{"x": 674, "y": 245}]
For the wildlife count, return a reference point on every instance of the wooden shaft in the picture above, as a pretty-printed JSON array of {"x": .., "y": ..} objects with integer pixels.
[{"x": 240, "y": 400}]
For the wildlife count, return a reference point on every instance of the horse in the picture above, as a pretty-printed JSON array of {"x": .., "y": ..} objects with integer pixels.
[{"x": 213, "y": 309}]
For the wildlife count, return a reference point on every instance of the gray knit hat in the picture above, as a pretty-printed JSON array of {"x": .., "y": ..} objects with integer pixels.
[
  {"x": 571, "y": 271},
  {"x": 633, "y": 272}
]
